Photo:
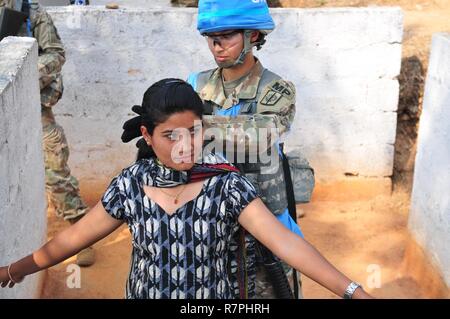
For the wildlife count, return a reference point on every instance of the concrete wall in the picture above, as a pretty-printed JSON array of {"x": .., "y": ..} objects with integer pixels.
[
  {"x": 121, "y": 3},
  {"x": 429, "y": 219},
  {"x": 134, "y": 3},
  {"x": 344, "y": 62},
  {"x": 23, "y": 221}
]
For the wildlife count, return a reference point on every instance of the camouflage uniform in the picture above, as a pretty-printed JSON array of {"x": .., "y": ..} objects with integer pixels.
[
  {"x": 62, "y": 188},
  {"x": 185, "y": 3},
  {"x": 265, "y": 100}
]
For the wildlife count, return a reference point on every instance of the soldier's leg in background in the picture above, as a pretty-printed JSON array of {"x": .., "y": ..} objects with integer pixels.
[
  {"x": 264, "y": 288},
  {"x": 289, "y": 273},
  {"x": 62, "y": 188}
]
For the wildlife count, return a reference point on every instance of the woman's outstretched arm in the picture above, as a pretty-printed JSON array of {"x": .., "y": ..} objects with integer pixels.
[
  {"x": 96, "y": 225},
  {"x": 294, "y": 250}
]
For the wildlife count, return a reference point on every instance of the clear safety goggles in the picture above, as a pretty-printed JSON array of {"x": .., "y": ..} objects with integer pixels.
[{"x": 224, "y": 40}]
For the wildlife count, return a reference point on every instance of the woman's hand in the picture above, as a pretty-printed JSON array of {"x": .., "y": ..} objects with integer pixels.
[
  {"x": 360, "y": 293},
  {"x": 96, "y": 225},
  {"x": 4, "y": 278}
]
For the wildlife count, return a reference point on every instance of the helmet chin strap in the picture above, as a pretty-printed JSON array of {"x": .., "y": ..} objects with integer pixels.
[{"x": 248, "y": 47}]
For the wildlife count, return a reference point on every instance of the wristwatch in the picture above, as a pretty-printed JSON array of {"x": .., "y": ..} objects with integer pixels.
[{"x": 351, "y": 289}]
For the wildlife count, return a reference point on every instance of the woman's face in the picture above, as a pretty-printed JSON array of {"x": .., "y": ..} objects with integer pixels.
[{"x": 178, "y": 141}]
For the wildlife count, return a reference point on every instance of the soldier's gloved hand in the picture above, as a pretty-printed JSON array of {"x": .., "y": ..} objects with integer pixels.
[{"x": 132, "y": 127}]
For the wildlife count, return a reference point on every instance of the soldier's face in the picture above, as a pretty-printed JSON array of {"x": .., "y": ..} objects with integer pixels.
[
  {"x": 225, "y": 46},
  {"x": 178, "y": 141}
]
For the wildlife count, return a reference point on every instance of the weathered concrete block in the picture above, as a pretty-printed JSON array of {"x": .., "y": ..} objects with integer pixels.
[
  {"x": 22, "y": 188},
  {"x": 134, "y": 3},
  {"x": 429, "y": 219},
  {"x": 337, "y": 28}
]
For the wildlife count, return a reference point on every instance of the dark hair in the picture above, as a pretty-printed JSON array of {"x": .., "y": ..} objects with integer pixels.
[
  {"x": 161, "y": 100},
  {"x": 260, "y": 41},
  {"x": 167, "y": 97}
]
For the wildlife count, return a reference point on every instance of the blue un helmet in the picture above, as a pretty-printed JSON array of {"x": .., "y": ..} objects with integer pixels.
[{"x": 247, "y": 15}]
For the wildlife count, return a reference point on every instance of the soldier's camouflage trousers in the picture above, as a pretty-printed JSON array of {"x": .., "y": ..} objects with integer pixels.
[{"x": 61, "y": 187}]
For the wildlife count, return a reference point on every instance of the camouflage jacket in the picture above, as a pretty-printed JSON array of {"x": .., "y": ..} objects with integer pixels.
[
  {"x": 51, "y": 54},
  {"x": 262, "y": 100}
]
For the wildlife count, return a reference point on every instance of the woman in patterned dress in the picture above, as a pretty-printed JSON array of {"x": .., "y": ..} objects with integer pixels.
[{"x": 182, "y": 208}]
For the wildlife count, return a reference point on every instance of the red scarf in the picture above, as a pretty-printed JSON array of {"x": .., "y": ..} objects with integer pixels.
[{"x": 203, "y": 171}]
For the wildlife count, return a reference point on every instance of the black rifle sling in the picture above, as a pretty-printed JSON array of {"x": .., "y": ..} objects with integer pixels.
[{"x": 291, "y": 204}]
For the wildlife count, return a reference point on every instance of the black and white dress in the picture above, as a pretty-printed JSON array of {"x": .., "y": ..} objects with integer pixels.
[{"x": 185, "y": 254}]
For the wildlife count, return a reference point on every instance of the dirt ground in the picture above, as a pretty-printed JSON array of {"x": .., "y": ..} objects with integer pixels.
[{"x": 359, "y": 236}]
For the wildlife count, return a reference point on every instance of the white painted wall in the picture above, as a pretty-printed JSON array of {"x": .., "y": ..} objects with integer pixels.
[
  {"x": 121, "y": 3},
  {"x": 134, "y": 3},
  {"x": 429, "y": 219},
  {"x": 343, "y": 61},
  {"x": 23, "y": 218}
]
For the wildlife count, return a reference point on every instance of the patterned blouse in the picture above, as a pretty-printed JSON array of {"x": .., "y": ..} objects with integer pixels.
[{"x": 185, "y": 254}]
